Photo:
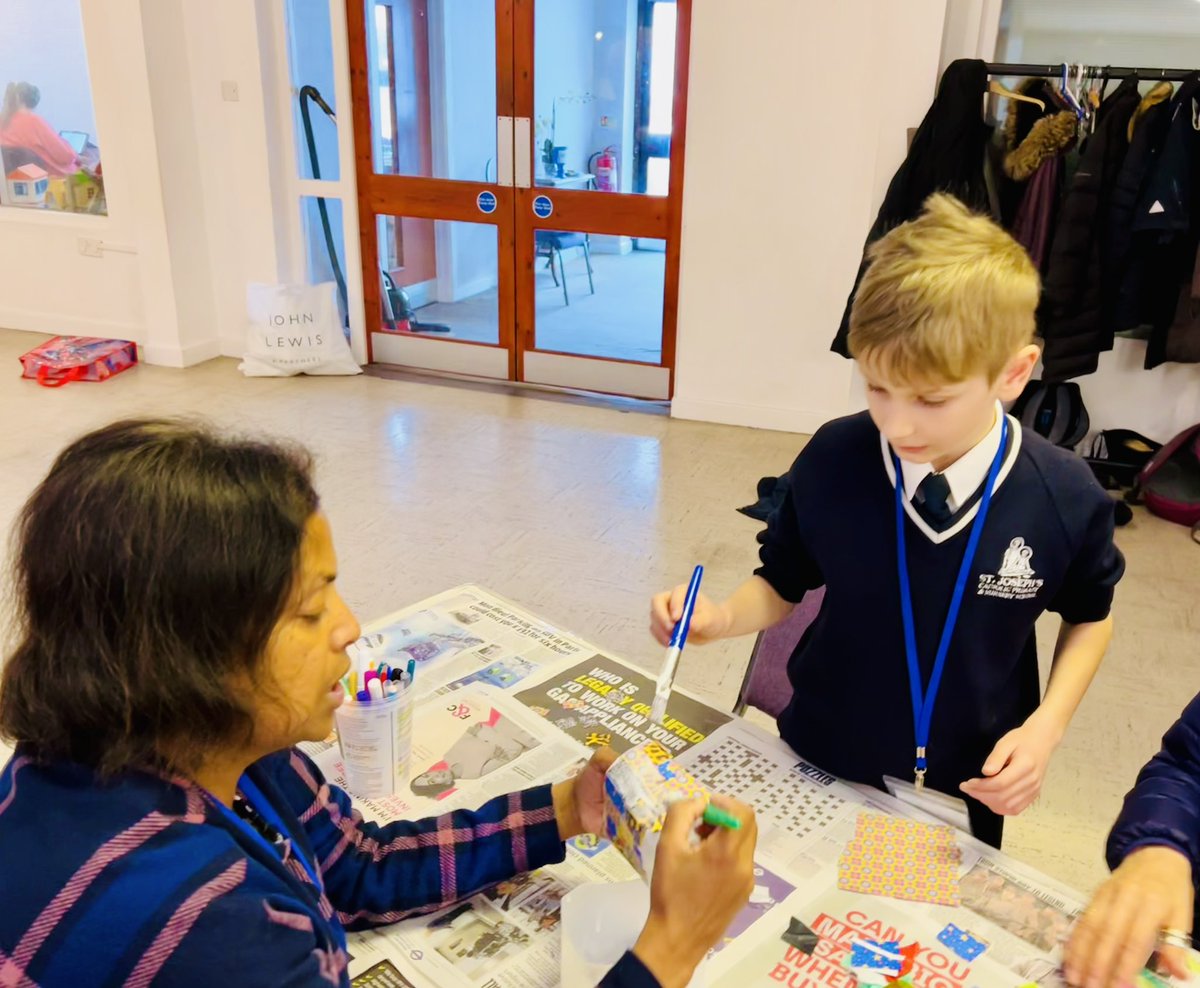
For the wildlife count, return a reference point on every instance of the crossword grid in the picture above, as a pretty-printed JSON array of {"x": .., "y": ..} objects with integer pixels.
[{"x": 791, "y": 802}]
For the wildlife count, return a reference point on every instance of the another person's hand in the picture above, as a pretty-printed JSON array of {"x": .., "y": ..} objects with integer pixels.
[
  {"x": 579, "y": 802},
  {"x": 1150, "y": 892},
  {"x": 710, "y": 621},
  {"x": 1016, "y": 768},
  {"x": 695, "y": 891}
]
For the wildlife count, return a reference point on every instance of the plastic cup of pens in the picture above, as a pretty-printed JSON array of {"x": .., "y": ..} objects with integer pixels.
[{"x": 374, "y": 729}]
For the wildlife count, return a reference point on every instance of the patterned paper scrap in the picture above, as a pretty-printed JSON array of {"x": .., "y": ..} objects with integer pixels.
[
  {"x": 871, "y": 956},
  {"x": 966, "y": 945},
  {"x": 901, "y": 859}
]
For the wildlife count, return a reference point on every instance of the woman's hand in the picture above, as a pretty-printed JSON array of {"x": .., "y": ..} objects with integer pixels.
[
  {"x": 696, "y": 890},
  {"x": 1150, "y": 892},
  {"x": 579, "y": 802}
]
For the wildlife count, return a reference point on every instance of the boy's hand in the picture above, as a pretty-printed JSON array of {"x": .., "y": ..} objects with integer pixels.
[
  {"x": 709, "y": 621},
  {"x": 1016, "y": 768}
]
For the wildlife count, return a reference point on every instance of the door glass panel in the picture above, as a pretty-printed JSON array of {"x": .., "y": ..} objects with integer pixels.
[
  {"x": 310, "y": 63},
  {"x": 433, "y": 88},
  {"x": 603, "y": 86},
  {"x": 441, "y": 278},
  {"x": 598, "y": 296},
  {"x": 324, "y": 245}
]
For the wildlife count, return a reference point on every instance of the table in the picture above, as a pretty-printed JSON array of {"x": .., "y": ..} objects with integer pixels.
[
  {"x": 582, "y": 181},
  {"x": 799, "y": 928}
]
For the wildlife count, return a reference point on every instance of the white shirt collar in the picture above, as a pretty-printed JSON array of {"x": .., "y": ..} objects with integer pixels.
[{"x": 964, "y": 475}]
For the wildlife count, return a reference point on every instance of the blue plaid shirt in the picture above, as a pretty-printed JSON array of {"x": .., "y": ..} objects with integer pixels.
[{"x": 144, "y": 880}]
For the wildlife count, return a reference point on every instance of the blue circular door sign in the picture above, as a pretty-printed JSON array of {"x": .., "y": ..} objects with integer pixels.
[
  {"x": 542, "y": 207},
  {"x": 486, "y": 201}
]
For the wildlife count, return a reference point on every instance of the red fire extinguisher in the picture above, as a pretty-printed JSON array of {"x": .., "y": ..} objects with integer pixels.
[{"x": 606, "y": 170}]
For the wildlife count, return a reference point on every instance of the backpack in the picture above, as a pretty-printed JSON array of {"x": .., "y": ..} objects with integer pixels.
[
  {"x": 1054, "y": 410},
  {"x": 1118, "y": 456},
  {"x": 1169, "y": 484}
]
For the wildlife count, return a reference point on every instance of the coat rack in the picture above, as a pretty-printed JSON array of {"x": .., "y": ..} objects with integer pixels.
[{"x": 1108, "y": 71}]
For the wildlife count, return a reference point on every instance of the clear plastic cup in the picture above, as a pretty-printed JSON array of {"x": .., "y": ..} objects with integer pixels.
[
  {"x": 600, "y": 922},
  {"x": 375, "y": 739}
]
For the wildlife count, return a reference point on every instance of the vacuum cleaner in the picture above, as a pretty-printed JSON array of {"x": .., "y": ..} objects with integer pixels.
[{"x": 398, "y": 310}]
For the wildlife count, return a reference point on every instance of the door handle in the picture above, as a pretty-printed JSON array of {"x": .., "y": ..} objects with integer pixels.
[
  {"x": 504, "y": 150},
  {"x": 523, "y": 140}
]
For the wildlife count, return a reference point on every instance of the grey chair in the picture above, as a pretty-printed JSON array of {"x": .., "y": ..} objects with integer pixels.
[
  {"x": 765, "y": 684},
  {"x": 551, "y": 243}
]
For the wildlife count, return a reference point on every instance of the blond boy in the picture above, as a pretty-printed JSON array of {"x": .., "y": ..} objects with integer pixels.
[{"x": 942, "y": 328}]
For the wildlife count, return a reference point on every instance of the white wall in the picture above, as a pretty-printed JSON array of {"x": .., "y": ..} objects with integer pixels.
[
  {"x": 797, "y": 118},
  {"x": 223, "y": 43},
  {"x": 41, "y": 41}
]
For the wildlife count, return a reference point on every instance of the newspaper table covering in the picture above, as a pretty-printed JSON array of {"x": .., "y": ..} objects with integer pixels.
[{"x": 489, "y": 670}]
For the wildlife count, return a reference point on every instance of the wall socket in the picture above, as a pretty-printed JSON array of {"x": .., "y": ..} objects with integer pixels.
[
  {"x": 229, "y": 90},
  {"x": 91, "y": 247}
]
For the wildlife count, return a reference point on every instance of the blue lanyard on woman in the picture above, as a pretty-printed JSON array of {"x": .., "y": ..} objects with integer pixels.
[
  {"x": 258, "y": 802},
  {"x": 922, "y": 704}
]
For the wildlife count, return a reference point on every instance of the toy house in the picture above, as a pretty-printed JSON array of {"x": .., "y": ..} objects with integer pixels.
[{"x": 27, "y": 185}]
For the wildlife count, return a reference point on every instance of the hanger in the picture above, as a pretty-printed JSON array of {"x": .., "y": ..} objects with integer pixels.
[
  {"x": 1069, "y": 96},
  {"x": 999, "y": 89}
]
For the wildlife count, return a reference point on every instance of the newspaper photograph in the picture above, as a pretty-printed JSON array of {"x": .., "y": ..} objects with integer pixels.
[
  {"x": 601, "y": 700},
  {"x": 463, "y": 637},
  {"x": 507, "y": 936}
]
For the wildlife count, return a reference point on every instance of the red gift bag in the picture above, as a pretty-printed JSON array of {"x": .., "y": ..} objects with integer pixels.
[{"x": 77, "y": 358}]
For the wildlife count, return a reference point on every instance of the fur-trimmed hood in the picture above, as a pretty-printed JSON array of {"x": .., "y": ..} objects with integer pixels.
[{"x": 1050, "y": 135}]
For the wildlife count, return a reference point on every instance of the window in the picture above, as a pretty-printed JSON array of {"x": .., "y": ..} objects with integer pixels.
[{"x": 49, "y": 148}]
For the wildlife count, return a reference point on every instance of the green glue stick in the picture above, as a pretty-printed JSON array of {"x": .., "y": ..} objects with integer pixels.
[{"x": 714, "y": 816}]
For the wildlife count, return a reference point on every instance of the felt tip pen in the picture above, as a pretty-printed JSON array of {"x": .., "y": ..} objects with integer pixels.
[
  {"x": 714, "y": 816},
  {"x": 375, "y": 688},
  {"x": 666, "y": 678},
  {"x": 362, "y": 696},
  {"x": 412, "y": 668}
]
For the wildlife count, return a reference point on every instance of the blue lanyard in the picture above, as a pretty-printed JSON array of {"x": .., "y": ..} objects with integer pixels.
[{"x": 923, "y": 704}]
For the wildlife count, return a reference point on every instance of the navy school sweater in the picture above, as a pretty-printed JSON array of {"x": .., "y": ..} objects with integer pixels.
[{"x": 1047, "y": 545}]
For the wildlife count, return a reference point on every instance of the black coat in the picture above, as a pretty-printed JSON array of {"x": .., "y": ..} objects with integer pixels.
[
  {"x": 1122, "y": 292},
  {"x": 1168, "y": 216},
  {"x": 946, "y": 155},
  {"x": 1069, "y": 317}
]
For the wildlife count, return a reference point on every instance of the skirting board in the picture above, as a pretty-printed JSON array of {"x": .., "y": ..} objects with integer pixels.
[
  {"x": 151, "y": 353},
  {"x": 54, "y": 324},
  {"x": 755, "y": 416},
  {"x": 174, "y": 356}
]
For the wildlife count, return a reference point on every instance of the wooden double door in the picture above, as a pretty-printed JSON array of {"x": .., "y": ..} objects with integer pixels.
[{"x": 520, "y": 178}]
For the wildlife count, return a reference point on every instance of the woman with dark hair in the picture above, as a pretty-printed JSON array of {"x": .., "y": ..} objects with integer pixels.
[
  {"x": 28, "y": 133},
  {"x": 179, "y": 632}
]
